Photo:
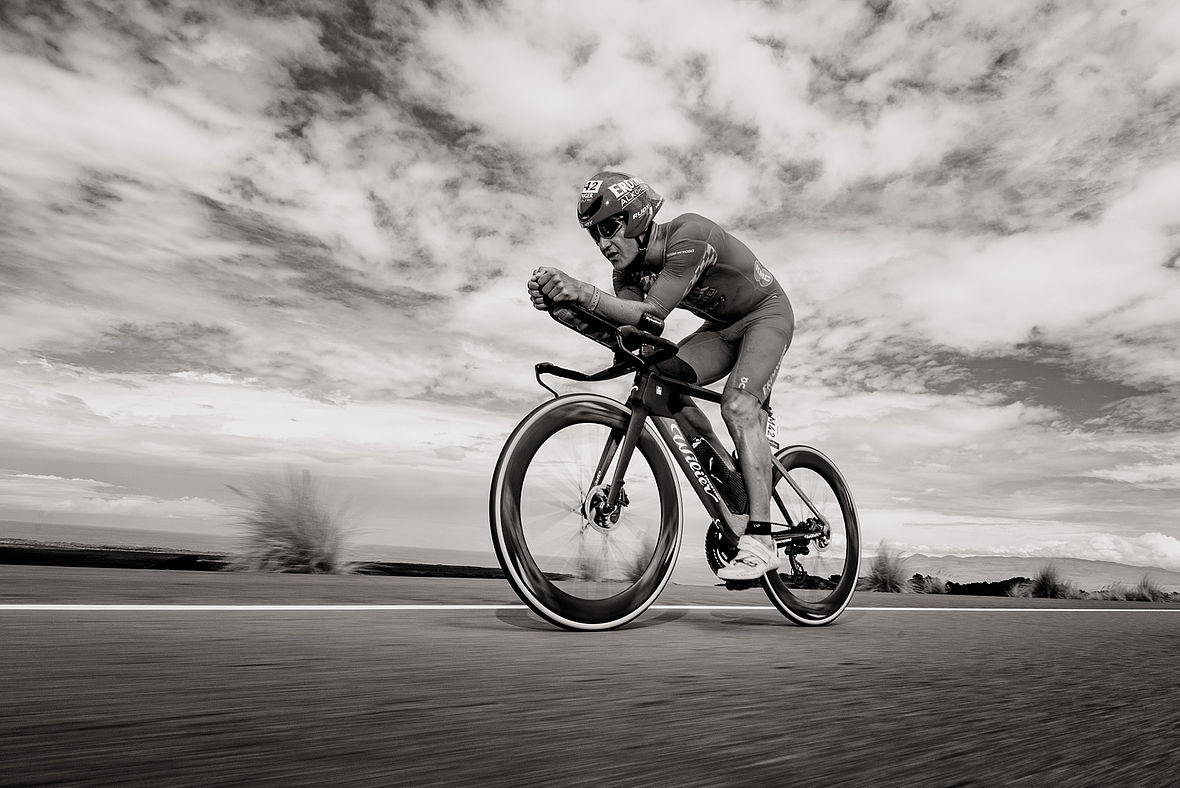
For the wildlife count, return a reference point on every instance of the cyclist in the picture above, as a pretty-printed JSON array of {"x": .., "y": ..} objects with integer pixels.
[{"x": 692, "y": 263}]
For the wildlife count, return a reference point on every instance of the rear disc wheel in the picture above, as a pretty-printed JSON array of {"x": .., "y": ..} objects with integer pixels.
[{"x": 819, "y": 568}]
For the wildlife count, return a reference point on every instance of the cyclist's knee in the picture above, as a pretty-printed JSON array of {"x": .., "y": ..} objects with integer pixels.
[{"x": 740, "y": 408}]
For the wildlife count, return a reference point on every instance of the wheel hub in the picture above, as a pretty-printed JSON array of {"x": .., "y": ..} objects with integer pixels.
[
  {"x": 822, "y": 530},
  {"x": 597, "y": 514}
]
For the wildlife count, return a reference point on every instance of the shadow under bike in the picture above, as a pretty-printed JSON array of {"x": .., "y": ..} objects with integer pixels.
[{"x": 585, "y": 508}]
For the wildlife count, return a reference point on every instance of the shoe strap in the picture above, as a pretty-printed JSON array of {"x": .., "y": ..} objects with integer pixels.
[{"x": 754, "y": 548}]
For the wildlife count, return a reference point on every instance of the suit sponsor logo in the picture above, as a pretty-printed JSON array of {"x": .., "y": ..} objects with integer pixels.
[
  {"x": 707, "y": 260},
  {"x": 763, "y": 277}
]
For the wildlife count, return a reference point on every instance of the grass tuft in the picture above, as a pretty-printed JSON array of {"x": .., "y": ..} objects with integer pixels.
[
  {"x": 1048, "y": 584},
  {"x": 886, "y": 572},
  {"x": 1023, "y": 590},
  {"x": 288, "y": 527},
  {"x": 639, "y": 558},
  {"x": 1116, "y": 592},
  {"x": 928, "y": 584},
  {"x": 1148, "y": 590}
]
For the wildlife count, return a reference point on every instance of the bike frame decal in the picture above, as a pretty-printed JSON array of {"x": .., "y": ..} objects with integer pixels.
[
  {"x": 690, "y": 461},
  {"x": 686, "y": 458}
]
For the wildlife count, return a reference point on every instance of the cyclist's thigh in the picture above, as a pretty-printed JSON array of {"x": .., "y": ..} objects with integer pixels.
[
  {"x": 763, "y": 345},
  {"x": 709, "y": 354}
]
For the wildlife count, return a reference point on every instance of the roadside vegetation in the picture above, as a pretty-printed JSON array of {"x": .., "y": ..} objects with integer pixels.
[
  {"x": 595, "y": 561},
  {"x": 927, "y": 584},
  {"x": 886, "y": 572},
  {"x": 1047, "y": 584},
  {"x": 640, "y": 557},
  {"x": 1147, "y": 590},
  {"x": 288, "y": 526}
]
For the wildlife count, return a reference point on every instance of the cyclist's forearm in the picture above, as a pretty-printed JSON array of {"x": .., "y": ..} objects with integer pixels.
[{"x": 623, "y": 311}]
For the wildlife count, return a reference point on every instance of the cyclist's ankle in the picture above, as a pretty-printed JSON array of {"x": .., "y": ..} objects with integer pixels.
[{"x": 760, "y": 528}]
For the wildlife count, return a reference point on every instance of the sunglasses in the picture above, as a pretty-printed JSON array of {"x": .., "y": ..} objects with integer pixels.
[{"x": 608, "y": 227}]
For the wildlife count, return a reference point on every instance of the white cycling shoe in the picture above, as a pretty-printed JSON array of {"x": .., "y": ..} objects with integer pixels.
[{"x": 753, "y": 560}]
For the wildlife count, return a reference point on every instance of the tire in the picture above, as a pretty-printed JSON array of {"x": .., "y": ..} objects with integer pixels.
[
  {"x": 573, "y": 569},
  {"x": 819, "y": 594}
]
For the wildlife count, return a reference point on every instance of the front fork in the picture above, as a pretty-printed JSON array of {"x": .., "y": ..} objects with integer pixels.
[{"x": 605, "y": 501}]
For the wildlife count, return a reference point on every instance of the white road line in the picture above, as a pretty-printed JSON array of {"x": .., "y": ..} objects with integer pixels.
[
  {"x": 1022, "y": 609},
  {"x": 938, "y": 609},
  {"x": 259, "y": 607},
  {"x": 313, "y": 608}
]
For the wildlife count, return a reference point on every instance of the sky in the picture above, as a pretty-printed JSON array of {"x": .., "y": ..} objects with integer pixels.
[{"x": 238, "y": 238}]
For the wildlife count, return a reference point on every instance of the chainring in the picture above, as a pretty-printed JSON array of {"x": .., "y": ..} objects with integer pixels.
[{"x": 718, "y": 553}]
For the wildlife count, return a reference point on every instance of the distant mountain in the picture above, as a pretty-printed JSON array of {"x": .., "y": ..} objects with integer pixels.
[{"x": 1086, "y": 575}]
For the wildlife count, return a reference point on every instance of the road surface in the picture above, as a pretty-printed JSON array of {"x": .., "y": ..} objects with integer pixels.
[{"x": 1071, "y": 693}]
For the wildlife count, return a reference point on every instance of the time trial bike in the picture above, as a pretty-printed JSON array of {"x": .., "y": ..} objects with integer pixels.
[{"x": 585, "y": 507}]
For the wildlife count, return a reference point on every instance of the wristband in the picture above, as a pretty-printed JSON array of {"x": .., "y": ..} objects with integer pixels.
[{"x": 594, "y": 301}]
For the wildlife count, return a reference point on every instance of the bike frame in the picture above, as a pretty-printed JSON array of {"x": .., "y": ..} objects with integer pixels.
[
  {"x": 655, "y": 398},
  {"x": 658, "y": 398}
]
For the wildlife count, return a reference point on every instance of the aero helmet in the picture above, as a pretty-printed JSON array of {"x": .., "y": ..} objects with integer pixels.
[{"x": 609, "y": 193}]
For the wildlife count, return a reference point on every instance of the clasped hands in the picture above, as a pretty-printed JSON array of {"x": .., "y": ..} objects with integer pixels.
[{"x": 548, "y": 286}]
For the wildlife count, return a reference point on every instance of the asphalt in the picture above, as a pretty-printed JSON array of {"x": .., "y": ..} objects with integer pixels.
[{"x": 977, "y": 691}]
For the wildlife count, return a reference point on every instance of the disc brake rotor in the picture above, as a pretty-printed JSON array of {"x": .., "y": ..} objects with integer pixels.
[{"x": 594, "y": 510}]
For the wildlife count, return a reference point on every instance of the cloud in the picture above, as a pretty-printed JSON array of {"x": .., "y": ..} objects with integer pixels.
[
  {"x": 213, "y": 419},
  {"x": 1149, "y": 549},
  {"x": 56, "y": 495},
  {"x": 1145, "y": 475},
  {"x": 931, "y": 532},
  {"x": 244, "y": 236}
]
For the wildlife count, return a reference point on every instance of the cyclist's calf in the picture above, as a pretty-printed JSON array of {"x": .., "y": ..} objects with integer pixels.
[{"x": 743, "y": 415}]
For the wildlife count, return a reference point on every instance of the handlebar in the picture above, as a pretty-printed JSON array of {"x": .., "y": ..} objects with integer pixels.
[
  {"x": 627, "y": 341},
  {"x": 633, "y": 338}
]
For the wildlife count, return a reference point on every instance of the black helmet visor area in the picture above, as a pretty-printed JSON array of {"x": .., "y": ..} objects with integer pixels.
[{"x": 608, "y": 227}]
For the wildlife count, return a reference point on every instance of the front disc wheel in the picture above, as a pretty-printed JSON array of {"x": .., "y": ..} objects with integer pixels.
[{"x": 574, "y": 557}]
